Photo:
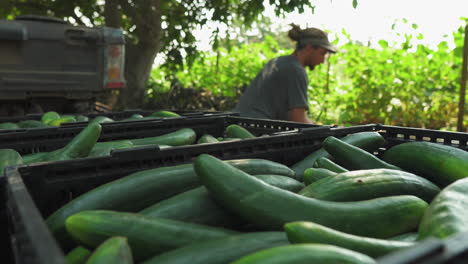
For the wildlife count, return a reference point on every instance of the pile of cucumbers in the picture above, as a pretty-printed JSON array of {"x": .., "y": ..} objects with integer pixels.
[
  {"x": 86, "y": 144},
  {"x": 54, "y": 119},
  {"x": 348, "y": 202}
]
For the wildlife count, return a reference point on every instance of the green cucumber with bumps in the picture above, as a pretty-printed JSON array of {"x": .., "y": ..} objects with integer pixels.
[
  {"x": 352, "y": 157},
  {"x": 146, "y": 236},
  {"x": 309, "y": 232},
  {"x": 221, "y": 250},
  {"x": 441, "y": 164},
  {"x": 305, "y": 253},
  {"x": 447, "y": 214},
  {"x": 113, "y": 250},
  {"x": 184, "y": 136},
  {"x": 361, "y": 185},
  {"x": 271, "y": 207},
  {"x": 369, "y": 141}
]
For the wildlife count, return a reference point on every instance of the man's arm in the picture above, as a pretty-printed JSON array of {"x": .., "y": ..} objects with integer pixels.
[{"x": 299, "y": 115}]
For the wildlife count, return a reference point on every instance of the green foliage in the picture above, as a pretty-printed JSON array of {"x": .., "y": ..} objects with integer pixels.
[{"x": 406, "y": 84}]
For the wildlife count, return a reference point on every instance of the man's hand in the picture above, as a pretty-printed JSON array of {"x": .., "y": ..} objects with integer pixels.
[{"x": 299, "y": 115}]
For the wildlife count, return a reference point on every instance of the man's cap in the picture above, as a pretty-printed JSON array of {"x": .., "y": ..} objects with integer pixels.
[{"x": 321, "y": 42}]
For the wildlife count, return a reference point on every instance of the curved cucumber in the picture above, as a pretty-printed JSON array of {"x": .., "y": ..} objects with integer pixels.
[
  {"x": 328, "y": 164},
  {"x": 78, "y": 255},
  {"x": 221, "y": 250},
  {"x": 361, "y": 185},
  {"x": 308, "y": 232},
  {"x": 79, "y": 146},
  {"x": 312, "y": 175},
  {"x": 352, "y": 157},
  {"x": 113, "y": 250},
  {"x": 184, "y": 136},
  {"x": 447, "y": 214},
  {"x": 271, "y": 207},
  {"x": 197, "y": 205},
  {"x": 236, "y": 131},
  {"x": 143, "y": 189},
  {"x": 146, "y": 237},
  {"x": 305, "y": 253},
  {"x": 438, "y": 163},
  {"x": 369, "y": 141}
]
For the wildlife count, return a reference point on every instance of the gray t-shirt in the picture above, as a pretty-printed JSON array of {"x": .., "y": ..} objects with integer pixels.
[{"x": 279, "y": 87}]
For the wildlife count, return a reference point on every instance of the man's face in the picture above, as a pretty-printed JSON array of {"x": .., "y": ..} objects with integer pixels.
[{"x": 316, "y": 56}]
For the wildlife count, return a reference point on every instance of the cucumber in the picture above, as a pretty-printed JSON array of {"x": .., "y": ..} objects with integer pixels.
[
  {"x": 361, "y": 185},
  {"x": 438, "y": 163},
  {"x": 113, "y": 250},
  {"x": 164, "y": 114},
  {"x": 328, "y": 164},
  {"x": 406, "y": 237},
  {"x": 305, "y": 253},
  {"x": 78, "y": 255},
  {"x": 236, "y": 131},
  {"x": 314, "y": 174},
  {"x": 184, "y": 136},
  {"x": 49, "y": 116},
  {"x": 369, "y": 141},
  {"x": 102, "y": 119},
  {"x": 197, "y": 206},
  {"x": 221, "y": 250},
  {"x": 104, "y": 148},
  {"x": 9, "y": 157},
  {"x": 262, "y": 166},
  {"x": 80, "y": 146},
  {"x": 206, "y": 138},
  {"x": 308, "y": 232},
  {"x": 61, "y": 120},
  {"x": 447, "y": 214},
  {"x": 282, "y": 182},
  {"x": 9, "y": 125},
  {"x": 146, "y": 236},
  {"x": 31, "y": 124},
  {"x": 34, "y": 157},
  {"x": 271, "y": 207},
  {"x": 352, "y": 157},
  {"x": 81, "y": 118},
  {"x": 194, "y": 206},
  {"x": 143, "y": 189}
]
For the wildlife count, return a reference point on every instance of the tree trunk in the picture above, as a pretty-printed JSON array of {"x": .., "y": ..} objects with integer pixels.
[{"x": 140, "y": 53}]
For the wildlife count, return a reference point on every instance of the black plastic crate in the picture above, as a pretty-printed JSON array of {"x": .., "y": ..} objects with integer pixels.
[
  {"x": 34, "y": 192},
  {"x": 119, "y": 115},
  {"x": 47, "y": 139}
]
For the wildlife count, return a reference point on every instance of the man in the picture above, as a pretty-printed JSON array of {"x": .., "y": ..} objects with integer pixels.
[{"x": 279, "y": 91}]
